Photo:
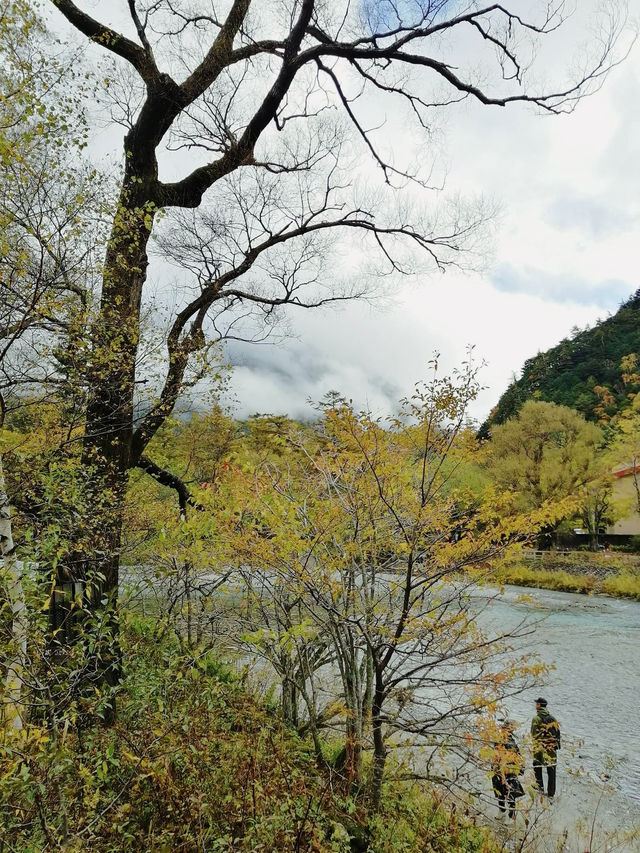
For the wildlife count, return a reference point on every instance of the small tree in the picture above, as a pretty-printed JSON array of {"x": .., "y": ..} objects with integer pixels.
[
  {"x": 546, "y": 453},
  {"x": 598, "y": 509},
  {"x": 47, "y": 270},
  {"x": 378, "y": 544}
]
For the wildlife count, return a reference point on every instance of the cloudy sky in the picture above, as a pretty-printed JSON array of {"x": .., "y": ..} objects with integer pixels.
[
  {"x": 565, "y": 247},
  {"x": 565, "y": 254}
]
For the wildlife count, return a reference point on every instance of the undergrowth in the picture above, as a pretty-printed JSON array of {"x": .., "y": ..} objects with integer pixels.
[{"x": 195, "y": 763}]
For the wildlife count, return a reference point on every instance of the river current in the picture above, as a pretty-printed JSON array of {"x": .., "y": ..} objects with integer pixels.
[{"x": 594, "y": 690}]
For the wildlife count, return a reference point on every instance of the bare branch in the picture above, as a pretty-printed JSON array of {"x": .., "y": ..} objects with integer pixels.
[
  {"x": 140, "y": 29},
  {"x": 188, "y": 192},
  {"x": 219, "y": 55},
  {"x": 167, "y": 478},
  {"x": 108, "y": 38}
]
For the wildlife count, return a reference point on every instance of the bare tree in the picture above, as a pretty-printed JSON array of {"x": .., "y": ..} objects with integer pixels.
[
  {"x": 48, "y": 278},
  {"x": 268, "y": 97}
]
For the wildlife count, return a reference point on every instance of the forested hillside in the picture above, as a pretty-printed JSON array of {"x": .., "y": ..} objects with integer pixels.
[{"x": 589, "y": 371}]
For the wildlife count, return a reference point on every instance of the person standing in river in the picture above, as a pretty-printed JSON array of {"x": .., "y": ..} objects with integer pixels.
[
  {"x": 545, "y": 732},
  {"x": 508, "y": 764}
]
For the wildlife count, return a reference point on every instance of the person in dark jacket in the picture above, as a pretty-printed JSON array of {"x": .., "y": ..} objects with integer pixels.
[
  {"x": 508, "y": 764},
  {"x": 545, "y": 733}
]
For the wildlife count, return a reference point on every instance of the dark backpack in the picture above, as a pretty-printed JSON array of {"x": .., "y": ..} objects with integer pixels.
[{"x": 550, "y": 731}]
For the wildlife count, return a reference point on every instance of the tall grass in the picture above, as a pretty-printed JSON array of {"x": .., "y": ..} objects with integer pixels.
[{"x": 626, "y": 584}]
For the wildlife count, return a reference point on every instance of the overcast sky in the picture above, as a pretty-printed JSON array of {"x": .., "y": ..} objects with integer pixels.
[{"x": 565, "y": 253}]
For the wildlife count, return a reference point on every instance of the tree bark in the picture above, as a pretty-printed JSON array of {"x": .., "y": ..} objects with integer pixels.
[
  {"x": 106, "y": 451},
  {"x": 379, "y": 749}
]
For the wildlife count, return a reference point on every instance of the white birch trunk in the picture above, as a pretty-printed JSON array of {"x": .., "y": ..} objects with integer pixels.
[{"x": 13, "y": 570}]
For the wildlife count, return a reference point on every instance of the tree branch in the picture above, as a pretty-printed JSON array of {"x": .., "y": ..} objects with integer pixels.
[
  {"x": 189, "y": 191},
  {"x": 142, "y": 35},
  {"x": 108, "y": 38},
  {"x": 219, "y": 54},
  {"x": 180, "y": 348},
  {"x": 167, "y": 478}
]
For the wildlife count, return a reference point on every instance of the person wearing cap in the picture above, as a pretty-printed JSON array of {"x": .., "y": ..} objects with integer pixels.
[
  {"x": 545, "y": 733},
  {"x": 508, "y": 764}
]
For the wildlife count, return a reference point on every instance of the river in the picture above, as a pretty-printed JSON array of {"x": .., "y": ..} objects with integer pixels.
[
  {"x": 594, "y": 690},
  {"x": 593, "y": 642}
]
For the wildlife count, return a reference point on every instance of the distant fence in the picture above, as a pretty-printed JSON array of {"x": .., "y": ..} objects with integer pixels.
[
  {"x": 529, "y": 554},
  {"x": 599, "y": 564}
]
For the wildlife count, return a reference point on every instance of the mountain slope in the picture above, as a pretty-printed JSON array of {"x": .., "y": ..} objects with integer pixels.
[{"x": 583, "y": 372}]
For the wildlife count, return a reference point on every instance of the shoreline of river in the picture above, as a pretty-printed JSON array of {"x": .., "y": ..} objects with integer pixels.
[
  {"x": 614, "y": 584},
  {"x": 591, "y": 643},
  {"x": 584, "y": 816}
]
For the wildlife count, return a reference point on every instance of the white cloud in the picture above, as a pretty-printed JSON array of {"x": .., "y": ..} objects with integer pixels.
[
  {"x": 375, "y": 357},
  {"x": 566, "y": 255}
]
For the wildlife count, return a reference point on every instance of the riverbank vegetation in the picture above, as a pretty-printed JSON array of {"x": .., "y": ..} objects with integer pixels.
[
  {"x": 337, "y": 557},
  {"x": 600, "y": 574}
]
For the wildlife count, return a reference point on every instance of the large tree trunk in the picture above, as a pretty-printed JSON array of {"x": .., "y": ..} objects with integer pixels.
[{"x": 107, "y": 452}]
